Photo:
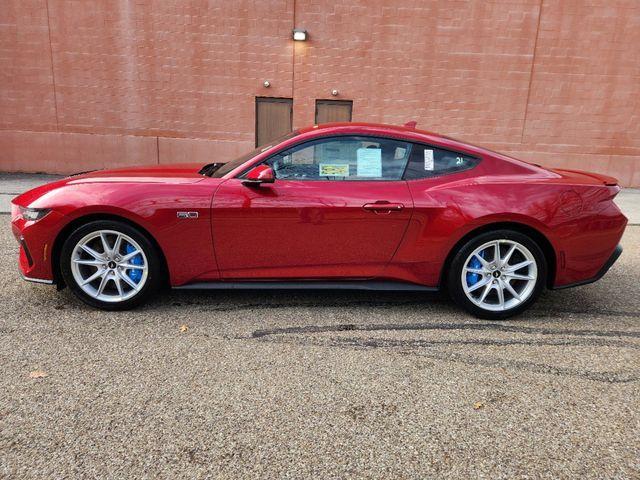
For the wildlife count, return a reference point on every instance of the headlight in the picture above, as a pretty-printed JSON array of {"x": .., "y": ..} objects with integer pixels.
[{"x": 33, "y": 214}]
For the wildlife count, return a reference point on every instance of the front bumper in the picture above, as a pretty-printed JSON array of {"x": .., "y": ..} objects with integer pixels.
[
  {"x": 36, "y": 240},
  {"x": 37, "y": 280}
]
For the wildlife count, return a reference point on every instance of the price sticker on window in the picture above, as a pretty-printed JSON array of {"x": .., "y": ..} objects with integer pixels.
[
  {"x": 428, "y": 159},
  {"x": 334, "y": 170}
]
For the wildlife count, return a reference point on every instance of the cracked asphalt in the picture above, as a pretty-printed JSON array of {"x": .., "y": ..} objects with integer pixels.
[{"x": 320, "y": 384}]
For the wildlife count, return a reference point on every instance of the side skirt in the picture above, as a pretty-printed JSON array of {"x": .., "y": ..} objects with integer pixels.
[{"x": 310, "y": 285}]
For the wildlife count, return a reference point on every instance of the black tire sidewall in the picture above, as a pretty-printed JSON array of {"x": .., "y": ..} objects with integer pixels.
[
  {"x": 150, "y": 251},
  {"x": 454, "y": 282}
]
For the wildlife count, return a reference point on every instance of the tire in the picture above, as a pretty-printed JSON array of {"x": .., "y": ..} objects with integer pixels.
[
  {"x": 112, "y": 279},
  {"x": 476, "y": 279}
]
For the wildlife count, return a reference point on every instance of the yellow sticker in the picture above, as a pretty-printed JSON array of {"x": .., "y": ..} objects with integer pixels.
[{"x": 334, "y": 170}]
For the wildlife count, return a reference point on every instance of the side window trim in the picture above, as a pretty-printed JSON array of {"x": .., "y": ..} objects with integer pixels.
[
  {"x": 398, "y": 138},
  {"x": 476, "y": 162}
]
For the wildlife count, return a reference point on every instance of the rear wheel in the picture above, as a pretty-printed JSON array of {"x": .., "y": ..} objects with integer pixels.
[
  {"x": 110, "y": 265},
  {"x": 497, "y": 274}
]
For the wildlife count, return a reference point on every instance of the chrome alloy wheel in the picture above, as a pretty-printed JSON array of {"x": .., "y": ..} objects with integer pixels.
[
  {"x": 109, "y": 266},
  {"x": 499, "y": 275}
]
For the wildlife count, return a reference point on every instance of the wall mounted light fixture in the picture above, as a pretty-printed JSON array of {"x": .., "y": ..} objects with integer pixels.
[{"x": 299, "y": 35}]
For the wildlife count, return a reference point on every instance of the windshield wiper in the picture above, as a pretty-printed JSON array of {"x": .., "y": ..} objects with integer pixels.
[{"x": 209, "y": 168}]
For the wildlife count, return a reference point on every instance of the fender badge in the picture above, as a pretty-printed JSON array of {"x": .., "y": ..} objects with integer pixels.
[{"x": 187, "y": 214}]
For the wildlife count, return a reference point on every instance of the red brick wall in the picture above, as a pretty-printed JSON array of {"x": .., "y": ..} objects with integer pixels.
[{"x": 94, "y": 83}]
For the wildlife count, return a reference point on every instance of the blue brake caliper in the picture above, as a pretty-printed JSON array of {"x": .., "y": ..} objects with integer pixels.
[
  {"x": 473, "y": 278},
  {"x": 133, "y": 273}
]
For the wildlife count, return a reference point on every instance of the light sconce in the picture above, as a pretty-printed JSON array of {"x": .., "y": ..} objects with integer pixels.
[
  {"x": 266, "y": 84},
  {"x": 299, "y": 35},
  {"x": 334, "y": 92}
]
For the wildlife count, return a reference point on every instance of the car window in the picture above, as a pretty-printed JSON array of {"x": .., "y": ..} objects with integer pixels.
[
  {"x": 427, "y": 161},
  {"x": 227, "y": 167},
  {"x": 343, "y": 158}
]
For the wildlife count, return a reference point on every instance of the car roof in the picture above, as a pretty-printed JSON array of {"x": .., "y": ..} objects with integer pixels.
[
  {"x": 367, "y": 125},
  {"x": 408, "y": 132}
]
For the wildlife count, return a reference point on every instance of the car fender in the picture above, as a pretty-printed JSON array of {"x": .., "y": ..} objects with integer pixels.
[{"x": 156, "y": 210}]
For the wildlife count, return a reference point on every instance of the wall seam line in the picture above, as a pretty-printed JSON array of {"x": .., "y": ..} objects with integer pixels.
[
  {"x": 53, "y": 75},
  {"x": 293, "y": 68},
  {"x": 533, "y": 63},
  {"x": 158, "y": 149}
]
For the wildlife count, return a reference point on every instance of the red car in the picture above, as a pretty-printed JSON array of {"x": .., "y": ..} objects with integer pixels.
[{"x": 338, "y": 206}]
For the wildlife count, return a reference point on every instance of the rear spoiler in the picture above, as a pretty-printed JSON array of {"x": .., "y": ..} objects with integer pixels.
[{"x": 598, "y": 177}]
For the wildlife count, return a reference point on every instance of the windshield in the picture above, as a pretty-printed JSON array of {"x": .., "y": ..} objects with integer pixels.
[{"x": 229, "y": 166}]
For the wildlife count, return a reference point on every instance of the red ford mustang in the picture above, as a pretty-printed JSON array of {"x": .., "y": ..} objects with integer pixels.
[{"x": 357, "y": 206}]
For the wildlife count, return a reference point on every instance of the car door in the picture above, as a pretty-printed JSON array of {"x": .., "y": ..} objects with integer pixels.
[{"x": 337, "y": 209}]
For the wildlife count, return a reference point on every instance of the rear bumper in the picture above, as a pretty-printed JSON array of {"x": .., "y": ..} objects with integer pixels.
[{"x": 601, "y": 273}]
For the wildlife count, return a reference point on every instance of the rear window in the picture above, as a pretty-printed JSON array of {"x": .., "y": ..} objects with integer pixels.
[{"x": 427, "y": 161}]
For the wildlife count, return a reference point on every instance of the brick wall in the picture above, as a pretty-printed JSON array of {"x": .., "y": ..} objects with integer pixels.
[{"x": 94, "y": 83}]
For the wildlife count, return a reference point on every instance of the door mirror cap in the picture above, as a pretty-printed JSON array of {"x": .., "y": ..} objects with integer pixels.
[{"x": 260, "y": 174}]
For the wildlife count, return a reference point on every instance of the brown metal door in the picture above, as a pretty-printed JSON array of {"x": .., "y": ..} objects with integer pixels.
[
  {"x": 333, "y": 111},
  {"x": 273, "y": 118}
]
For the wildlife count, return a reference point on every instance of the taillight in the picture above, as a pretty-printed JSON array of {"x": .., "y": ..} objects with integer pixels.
[{"x": 612, "y": 191}]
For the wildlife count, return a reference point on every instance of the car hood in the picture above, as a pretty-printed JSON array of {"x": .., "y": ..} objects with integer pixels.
[
  {"x": 174, "y": 173},
  {"x": 183, "y": 173}
]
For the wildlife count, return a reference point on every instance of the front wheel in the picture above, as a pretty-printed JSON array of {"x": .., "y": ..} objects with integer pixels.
[
  {"x": 110, "y": 265},
  {"x": 497, "y": 274}
]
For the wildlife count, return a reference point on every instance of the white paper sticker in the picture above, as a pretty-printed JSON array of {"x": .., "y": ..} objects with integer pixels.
[
  {"x": 334, "y": 170},
  {"x": 369, "y": 162},
  {"x": 428, "y": 159}
]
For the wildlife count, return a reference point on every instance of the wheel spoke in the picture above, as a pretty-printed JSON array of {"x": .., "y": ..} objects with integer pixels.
[
  {"x": 512, "y": 291},
  {"x": 496, "y": 252},
  {"x": 129, "y": 256},
  {"x": 116, "y": 246},
  {"x": 93, "y": 263},
  {"x": 105, "y": 243},
  {"x": 131, "y": 266},
  {"x": 500, "y": 295},
  {"x": 118, "y": 285},
  {"x": 478, "y": 285},
  {"x": 90, "y": 279},
  {"x": 92, "y": 252},
  {"x": 130, "y": 282},
  {"x": 518, "y": 266},
  {"x": 475, "y": 270},
  {"x": 103, "y": 283},
  {"x": 515, "y": 276},
  {"x": 507, "y": 257},
  {"x": 486, "y": 292},
  {"x": 482, "y": 260}
]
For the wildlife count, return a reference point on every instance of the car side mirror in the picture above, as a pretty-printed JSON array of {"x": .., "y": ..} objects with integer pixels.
[{"x": 258, "y": 175}]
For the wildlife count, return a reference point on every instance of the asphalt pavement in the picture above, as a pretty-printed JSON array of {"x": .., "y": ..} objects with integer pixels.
[{"x": 319, "y": 384}]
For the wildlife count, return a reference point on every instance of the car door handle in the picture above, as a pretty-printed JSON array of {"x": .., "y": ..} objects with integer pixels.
[{"x": 382, "y": 206}]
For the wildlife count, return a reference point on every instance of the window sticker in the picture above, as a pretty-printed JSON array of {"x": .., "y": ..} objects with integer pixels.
[
  {"x": 428, "y": 159},
  {"x": 369, "y": 162},
  {"x": 334, "y": 169}
]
